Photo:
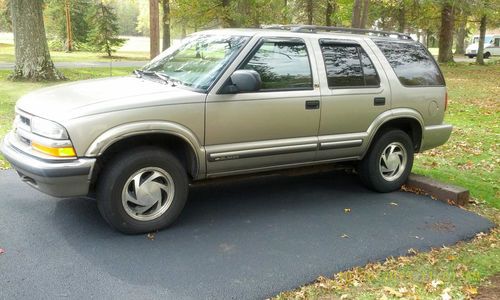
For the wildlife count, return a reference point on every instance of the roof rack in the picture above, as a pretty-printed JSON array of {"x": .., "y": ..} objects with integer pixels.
[{"x": 314, "y": 29}]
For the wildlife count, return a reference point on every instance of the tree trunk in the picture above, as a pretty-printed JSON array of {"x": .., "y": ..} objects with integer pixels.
[
  {"x": 461, "y": 34},
  {"x": 69, "y": 32},
  {"x": 285, "y": 12},
  {"x": 446, "y": 34},
  {"x": 165, "y": 4},
  {"x": 328, "y": 13},
  {"x": 309, "y": 10},
  {"x": 33, "y": 60},
  {"x": 364, "y": 16},
  {"x": 482, "y": 33},
  {"x": 401, "y": 19},
  {"x": 356, "y": 14},
  {"x": 154, "y": 29}
]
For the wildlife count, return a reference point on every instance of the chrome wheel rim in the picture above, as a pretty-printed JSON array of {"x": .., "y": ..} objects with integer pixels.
[
  {"x": 148, "y": 193},
  {"x": 393, "y": 161}
]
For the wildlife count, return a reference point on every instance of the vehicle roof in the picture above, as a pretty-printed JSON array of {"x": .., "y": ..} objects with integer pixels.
[{"x": 288, "y": 33}]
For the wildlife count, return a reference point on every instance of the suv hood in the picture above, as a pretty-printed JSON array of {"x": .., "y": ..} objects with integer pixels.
[{"x": 82, "y": 98}]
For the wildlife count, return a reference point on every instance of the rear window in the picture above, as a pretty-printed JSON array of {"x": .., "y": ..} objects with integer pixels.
[{"x": 412, "y": 63}]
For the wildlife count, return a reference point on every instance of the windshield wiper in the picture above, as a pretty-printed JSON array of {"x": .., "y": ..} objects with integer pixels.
[{"x": 141, "y": 73}]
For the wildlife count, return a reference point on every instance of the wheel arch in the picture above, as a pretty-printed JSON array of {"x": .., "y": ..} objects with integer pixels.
[
  {"x": 174, "y": 137},
  {"x": 408, "y": 120}
]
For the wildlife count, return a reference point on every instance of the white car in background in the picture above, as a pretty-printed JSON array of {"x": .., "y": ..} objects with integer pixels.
[{"x": 491, "y": 46}]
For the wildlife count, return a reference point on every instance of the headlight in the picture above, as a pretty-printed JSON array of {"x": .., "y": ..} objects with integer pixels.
[{"x": 48, "y": 129}]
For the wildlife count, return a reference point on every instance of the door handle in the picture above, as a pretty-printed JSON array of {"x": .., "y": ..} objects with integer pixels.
[
  {"x": 312, "y": 104},
  {"x": 379, "y": 101}
]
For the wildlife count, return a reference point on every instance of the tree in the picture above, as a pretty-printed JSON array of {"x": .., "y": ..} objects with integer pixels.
[
  {"x": 364, "y": 15},
  {"x": 310, "y": 12},
  {"x": 57, "y": 20},
  {"x": 33, "y": 60},
  {"x": 328, "y": 13},
  {"x": 5, "y": 20},
  {"x": 446, "y": 33},
  {"x": 482, "y": 34},
  {"x": 69, "y": 34},
  {"x": 103, "y": 35},
  {"x": 356, "y": 14},
  {"x": 127, "y": 13},
  {"x": 165, "y": 21},
  {"x": 154, "y": 29}
]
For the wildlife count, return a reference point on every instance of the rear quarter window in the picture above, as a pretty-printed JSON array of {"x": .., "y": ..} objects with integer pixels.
[{"x": 412, "y": 63}]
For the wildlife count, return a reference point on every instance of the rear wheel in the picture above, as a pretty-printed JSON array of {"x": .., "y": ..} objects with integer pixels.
[
  {"x": 388, "y": 163},
  {"x": 142, "y": 190}
]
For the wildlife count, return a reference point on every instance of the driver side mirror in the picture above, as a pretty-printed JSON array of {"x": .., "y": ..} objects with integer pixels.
[{"x": 243, "y": 81}]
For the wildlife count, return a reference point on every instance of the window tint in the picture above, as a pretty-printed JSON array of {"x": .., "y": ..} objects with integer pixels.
[
  {"x": 348, "y": 66},
  {"x": 497, "y": 42},
  {"x": 412, "y": 63},
  {"x": 282, "y": 66}
]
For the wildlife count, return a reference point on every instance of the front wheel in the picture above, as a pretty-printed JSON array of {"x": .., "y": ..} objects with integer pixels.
[
  {"x": 487, "y": 55},
  {"x": 142, "y": 190},
  {"x": 385, "y": 168}
]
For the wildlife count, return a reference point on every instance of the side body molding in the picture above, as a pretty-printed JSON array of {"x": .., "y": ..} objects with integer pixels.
[{"x": 115, "y": 134}]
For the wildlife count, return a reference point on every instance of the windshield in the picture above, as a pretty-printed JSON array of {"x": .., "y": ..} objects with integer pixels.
[
  {"x": 198, "y": 60},
  {"x": 487, "y": 39}
]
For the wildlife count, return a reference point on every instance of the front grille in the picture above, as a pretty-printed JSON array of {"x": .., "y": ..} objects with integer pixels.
[
  {"x": 25, "y": 121},
  {"x": 22, "y": 128}
]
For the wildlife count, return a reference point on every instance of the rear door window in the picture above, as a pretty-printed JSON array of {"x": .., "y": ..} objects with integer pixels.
[
  {"x": 412, "y": 63},
  {"x": 348, "y": 65}
]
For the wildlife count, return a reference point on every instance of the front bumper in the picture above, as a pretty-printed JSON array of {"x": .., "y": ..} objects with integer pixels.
[
  {"x": 434, "y": 136},
  {"x": 60, "y": 178}
]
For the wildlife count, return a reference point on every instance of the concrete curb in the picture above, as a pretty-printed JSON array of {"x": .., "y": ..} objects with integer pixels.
[{"x": 448, "y": 193}]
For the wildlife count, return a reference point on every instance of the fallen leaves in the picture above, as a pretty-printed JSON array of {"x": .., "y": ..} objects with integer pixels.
[
  {"x": 445, "y": 294},
  {"x": 2, "y": 251},
  {"x": 347, "y": 210},
  {"x": 345, "y": 236},
  {"x": 151, "y": 236}
]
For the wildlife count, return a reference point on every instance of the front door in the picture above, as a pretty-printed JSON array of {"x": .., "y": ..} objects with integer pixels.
[{"x": 275, "y": 126}]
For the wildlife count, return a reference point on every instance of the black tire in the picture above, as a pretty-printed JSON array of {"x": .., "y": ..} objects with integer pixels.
[
  {"x": 118, "y": 173},
  {"x": 369, "y": 168},
  {"x": 470, "y": 56},
  {"x": 487, "y": 55}
]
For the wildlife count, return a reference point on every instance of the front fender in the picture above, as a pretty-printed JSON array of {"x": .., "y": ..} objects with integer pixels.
[{"x": 115, "y": 134}]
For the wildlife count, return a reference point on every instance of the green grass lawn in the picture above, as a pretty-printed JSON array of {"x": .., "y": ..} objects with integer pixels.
[
  {"x": 469, "y": 159},
  {"x": 7, "y": 55}
]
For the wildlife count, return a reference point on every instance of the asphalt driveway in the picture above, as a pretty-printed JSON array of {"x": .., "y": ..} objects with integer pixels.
[{"x": 241, "y": 240}]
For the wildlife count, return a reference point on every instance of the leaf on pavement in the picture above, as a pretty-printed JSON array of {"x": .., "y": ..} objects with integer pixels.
[
  {"x": 345, "y": 236},
  {"x": 2, "y": 251},
  {"x": 412, "y": 251},
  {"x": 151, "y": 236},
  {"x": 347, "y": 210},
  {"x": 394, "y": 204}
]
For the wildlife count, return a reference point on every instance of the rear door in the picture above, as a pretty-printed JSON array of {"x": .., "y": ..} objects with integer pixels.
[
  {"x": 354, "y": 91},
  {"x": 274, "y": 126}
]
